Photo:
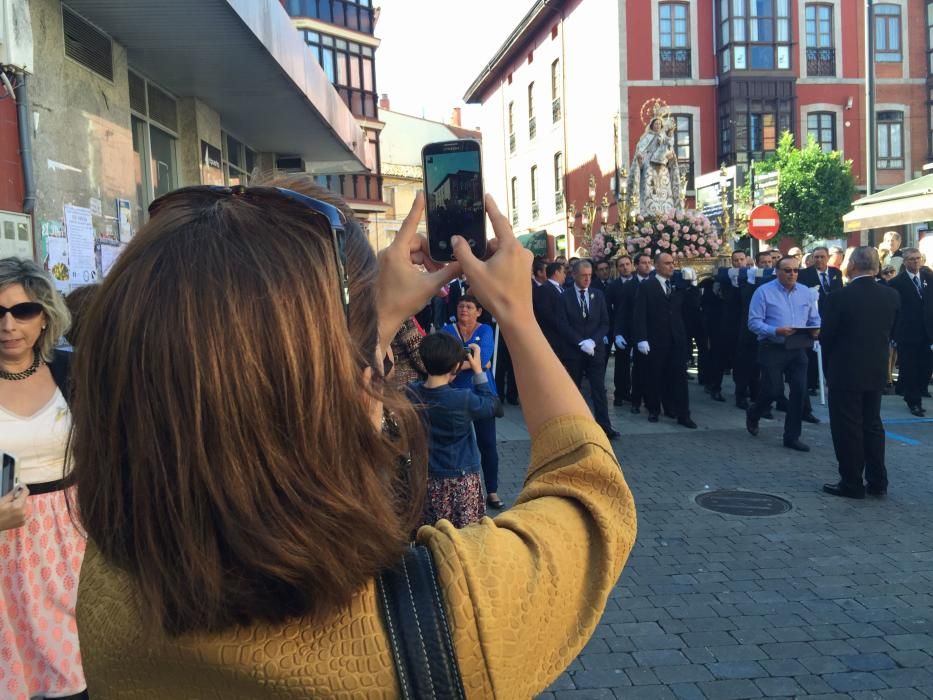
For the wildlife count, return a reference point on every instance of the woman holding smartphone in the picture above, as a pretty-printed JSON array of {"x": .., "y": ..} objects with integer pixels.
[
  {"x": 41, "y": 553},
  {"x": 239, "y": 478}
]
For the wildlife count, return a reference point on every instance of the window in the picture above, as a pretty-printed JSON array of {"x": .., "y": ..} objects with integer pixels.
[
  {"x": 511, "y": 127},
  {"x": 357, "y": 16},
  {"x": 890, "y": 129},
  {"x": 762, "y": 133},
  {"x": 558, "y": 182},
  {"x": 930, "y": 37},
  {"x": 930, "y": 120},
  {"x": 532, "y": 128},
  {"x": 514, "y": 201},
  {"x": 238, "y": 160},
  {"x": 535, "y": 210},
  {"x": 754, "y": 35},
  {"x": 683, "y": 146},
  {"x": 821, "y": 54},
  {"x": 888, "y": 33},
  {"x": 821, "y": 126},
  {"x": 349, "y": 66},
  {"x": 154, "y": 123},
  {"x": 749, "y": 128},
  {"x": 555, "y": 91},
  {"x": 674, "y": 39}
]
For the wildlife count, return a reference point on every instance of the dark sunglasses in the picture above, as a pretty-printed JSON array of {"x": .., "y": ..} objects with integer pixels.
[
  {"x": 26, "y": 311},
  {"x": 336, "y": 221}
]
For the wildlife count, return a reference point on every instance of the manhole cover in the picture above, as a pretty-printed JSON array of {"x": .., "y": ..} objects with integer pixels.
[{"x": 746, "y": 503}]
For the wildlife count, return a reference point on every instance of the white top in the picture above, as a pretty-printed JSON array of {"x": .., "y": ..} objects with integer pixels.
[{"x": 37, "y": 442}]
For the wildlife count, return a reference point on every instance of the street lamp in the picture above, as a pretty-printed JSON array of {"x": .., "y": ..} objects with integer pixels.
[
  {"x": 588, "y": 215},
  {"x": 623, "y": 203},
  {"x": 725, "y": 182}
]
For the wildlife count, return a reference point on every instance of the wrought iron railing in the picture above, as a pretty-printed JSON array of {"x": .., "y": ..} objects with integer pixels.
[
  {"x": 821, "y": 62},
  {"x": 675, "y": 63},
  {"x": 532, "y": 128},
  {"x": 512, "y": 143},
  {"x": 535, "y": 211},
  {"x": 555, "y": 110},
  {"x": 558, "y": 202}
]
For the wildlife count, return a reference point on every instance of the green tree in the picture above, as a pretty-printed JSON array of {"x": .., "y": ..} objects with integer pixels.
[{"x": 816, "y": 189}]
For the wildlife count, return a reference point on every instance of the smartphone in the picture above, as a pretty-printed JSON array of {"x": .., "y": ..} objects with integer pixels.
[
  {"x": 453, "y": 188},
  {"x": 8, "y": 474}
]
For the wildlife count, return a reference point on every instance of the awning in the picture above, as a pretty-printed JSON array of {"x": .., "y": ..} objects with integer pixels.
[
  {"x": 246, "y": 60},
  {"x": 908, "y": 203}
]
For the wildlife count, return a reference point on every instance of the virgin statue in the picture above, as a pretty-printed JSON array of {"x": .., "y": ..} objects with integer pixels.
[{"x": 654, "y": 178}]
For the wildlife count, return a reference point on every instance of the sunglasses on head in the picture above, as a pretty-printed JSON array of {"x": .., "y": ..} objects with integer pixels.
[
  {"x": 25, "y": 311},
  {"x": 263, "y": 196}
]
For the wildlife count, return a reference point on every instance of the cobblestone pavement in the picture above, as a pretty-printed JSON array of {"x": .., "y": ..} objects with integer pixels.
[{"x": 831, "y": 600}]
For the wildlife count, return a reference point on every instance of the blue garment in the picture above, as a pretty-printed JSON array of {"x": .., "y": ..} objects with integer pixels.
[
  {"x": 450, "y": 412},
  {"x": 482, "y": 336},
  {"x": 773, "y": 307}
]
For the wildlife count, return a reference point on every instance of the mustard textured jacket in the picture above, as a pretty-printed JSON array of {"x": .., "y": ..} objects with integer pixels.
[{"x": 523, "y": 593}]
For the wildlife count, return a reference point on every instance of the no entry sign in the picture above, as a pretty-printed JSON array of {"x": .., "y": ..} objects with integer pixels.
[{"x": 764, "y": 222}]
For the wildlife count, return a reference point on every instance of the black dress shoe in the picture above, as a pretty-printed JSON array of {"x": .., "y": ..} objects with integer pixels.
[
  {"x": 751, "y": 424},
  {"x": 844, "y": 491},
  {"x": 652, "y": 417},
  {"x": 873, "y": 491},
  {"x": 814, "y": 392},
  {"x": 926, "y": 395},
  {"x": 742, "y": 403},
  {"x": 613, "y": 434},
  {"x": 917, "y": 411},
  {"x": 797, "y": 445},
  {"x": 617, "y": 402},
  {"x": 767, "y": 415},
  {"x": 668, "y": 414},
  {"x": 495, "y": 503},
  {"x": 717, "y": 396},
  {"x": 810, "y": 418},
  {"x": 687, "y": 423},
  {"x": 635, "y": 409}
]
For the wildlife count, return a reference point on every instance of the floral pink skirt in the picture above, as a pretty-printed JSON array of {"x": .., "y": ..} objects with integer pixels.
[
  {"x": 39, "y": 567},
  {"x": 458, "y": 499}
]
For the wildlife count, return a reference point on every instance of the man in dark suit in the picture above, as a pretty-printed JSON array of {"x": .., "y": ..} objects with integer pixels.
[
  {"x": 857, "y": 325},
  {"x": 622, "y": 374},
  {"x": 913, "y": 341},
  {"x": 724, "y": 327},
  {"x": 601, "y": 278},
  {"x": 826, "y": 280},
  {"x": 660, "y": 336},
  {"x": 623, "y": 328},
  {"x": 585, "y": 325},
  {"x": 549, "y": 312}
]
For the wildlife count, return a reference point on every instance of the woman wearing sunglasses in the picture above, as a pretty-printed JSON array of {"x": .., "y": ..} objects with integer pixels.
[
  {"x": 241, "y": 490},
  {"x": 39, "y": 561}
]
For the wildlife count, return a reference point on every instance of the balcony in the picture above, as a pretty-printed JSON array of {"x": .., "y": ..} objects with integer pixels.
[
  {"x": 559, "y": 202},
  {"x": 675, "y": 63},
  {"x": 535, "y": 211},
  {"x": 515, "y": 217},
  {"x": 512, "y": 143},
  {"x": 532, "y": 128},
  {"x": 821, "y": 62},
  {"x": 555, "y": 110}
]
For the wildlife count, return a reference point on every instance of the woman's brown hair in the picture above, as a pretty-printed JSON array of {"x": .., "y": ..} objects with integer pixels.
[{"x": 223, "y": 447}]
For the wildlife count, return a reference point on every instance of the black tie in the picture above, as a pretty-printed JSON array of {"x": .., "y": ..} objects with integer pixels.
[
  {"x": 825, "y": 282},
  {"x": 583, "y": 302},
  {"x": 917, "y": 285},
  {"x": 667, "y": 287}
]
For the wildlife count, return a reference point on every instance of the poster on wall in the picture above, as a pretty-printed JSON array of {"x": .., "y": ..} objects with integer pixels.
[
  {"x": 211, "y": 165},
  {"x": 108, "y": 256},
  {"x": 124, "y": 220},
  {"x": 53, "y": 252},
  {"x": 79, "y": 229}
]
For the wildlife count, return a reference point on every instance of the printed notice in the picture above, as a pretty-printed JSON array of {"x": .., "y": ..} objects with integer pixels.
[
  {"x": 108, "y": 256},
  {"x": 79, "y": 228}
]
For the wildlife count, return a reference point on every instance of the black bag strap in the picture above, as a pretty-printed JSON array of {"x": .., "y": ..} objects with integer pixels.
[
  {"x": 422, "y": 649},
  {"x": 60, "y": 367}
]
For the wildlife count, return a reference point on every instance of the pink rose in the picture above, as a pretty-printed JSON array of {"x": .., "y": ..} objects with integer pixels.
[
  {"x": 660, "y": 227},
  {"x": 645, "y": 229},
  {"x": 680, "y": 255},
  {"x": 708, "y": 255},
  {"x": 673, "y": 247},
  {"x": 639, "y": 218},
  {"x": 701, "y": 241},
  {"x": 685, "y": 229}
]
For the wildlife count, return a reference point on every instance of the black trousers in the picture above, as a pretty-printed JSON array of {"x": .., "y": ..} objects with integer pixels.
[
  {"x": 594, "y": 369},
  {"x": 505, "y": 375},
  {"x": 777, "y": 363},
  {"x": 723, "y": 353},
  {"x": 667, "y": 381},
  {"x": 745, "y": 371},
  {"x": 914, "y": 359},
  {"x": 485, "y": 429},
  {"x": 622, "y": 375},
  {"x": 858, "y": 437}
]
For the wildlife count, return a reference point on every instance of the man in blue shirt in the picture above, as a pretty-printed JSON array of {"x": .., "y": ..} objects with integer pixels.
[{"x": 776, "y": 310}]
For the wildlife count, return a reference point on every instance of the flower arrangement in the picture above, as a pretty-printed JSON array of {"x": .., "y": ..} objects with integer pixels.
[
  {"x": 606, "y": 244},
  {"x": 687, "y": 235}
]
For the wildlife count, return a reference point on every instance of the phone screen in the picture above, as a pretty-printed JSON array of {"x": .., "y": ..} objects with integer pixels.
[
  {"x": 8, "y": 476},
  {"x": 453, "y": 185}
]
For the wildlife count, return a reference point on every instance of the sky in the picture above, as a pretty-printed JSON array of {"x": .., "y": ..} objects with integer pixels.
[{"x": 432, "y": 50}]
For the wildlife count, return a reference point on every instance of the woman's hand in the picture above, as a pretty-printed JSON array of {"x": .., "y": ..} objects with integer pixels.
[
  {"x": 475, "y": 359},
  {"x": 13, "y": 510},
  {"x": 402, "y": 288},
  {"x": 502, "y": 283}
]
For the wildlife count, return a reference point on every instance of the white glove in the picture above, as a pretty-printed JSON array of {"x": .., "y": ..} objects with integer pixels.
[
  {"x": 643, "y": 347},
  {"x": 588, "y": 346},
  {"x": 816, "y": 346},
  {"x": 605, "y": 340},
  {"x": 620, "y": 342}
]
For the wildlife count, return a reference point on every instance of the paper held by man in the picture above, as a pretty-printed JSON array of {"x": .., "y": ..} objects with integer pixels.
[{"x": 801, "y": 338}]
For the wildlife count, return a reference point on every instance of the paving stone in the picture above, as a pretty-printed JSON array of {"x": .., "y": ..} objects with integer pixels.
[
  {"x": 850, "y": 682},
  {"x": 608, "y": 661},
  {"x": 730, "y": 690},
  {"x": 651, "y": 642},
  {"x": 604, "y": 678},
  {"x": 641, "y": 676},
  {"x": 683, "y": 674},
  {"x": 906, "y": 659},
  {"x": 867, "y": 662},
  {"x": 586, "y": 694},
  {"x": 906, "y": 677},
  {"x": 687, "y": 691},
  {"x": 822, "y": 664},
  {"x": 910, "y": 641},
  {"x": 737, "y": 652},
  {"x": 647, "y": 692},
  {"x": 773, "y": 687},
  {"x": 788, "y": 650},
  {"x": 707, "y": 639},
  {"x": 660, "y": 657},
  {"x": 736, "y": 669},
  {"x": 784, "y": 667}
]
